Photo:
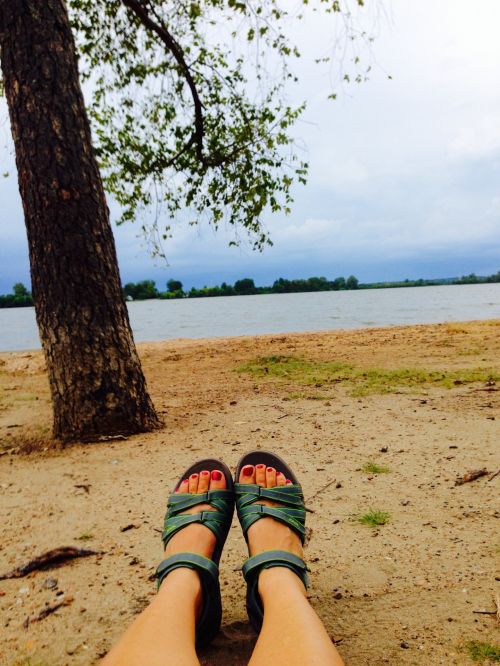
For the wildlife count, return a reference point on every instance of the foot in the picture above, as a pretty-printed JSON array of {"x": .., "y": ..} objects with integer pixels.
[
  {"x": 197, "y": 538},
  {"x": 268, "y": 533},
  {"x": 194, "y": 538}
]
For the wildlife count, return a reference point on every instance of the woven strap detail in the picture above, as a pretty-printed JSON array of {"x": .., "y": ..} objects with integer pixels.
[
  {"x": 216, "y": 519},
  {"x": 291, "y": 512},
  {"x": 206, "y": 567}
]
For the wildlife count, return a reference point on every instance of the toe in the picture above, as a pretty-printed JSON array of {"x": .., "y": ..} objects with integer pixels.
[
  {"x": 193, "y": 483},
  {"x": 288, "y": 482},
  {"x": 204, "y": 481},
  {"x": 280, "y": 479},
  {"x": 217, "y": 480},
  {"x": 247, "y": 474},
  {"x": 183, "y": 486},
  {"x": 260, "y": 475},
  {"x": 270, "y": 477}
]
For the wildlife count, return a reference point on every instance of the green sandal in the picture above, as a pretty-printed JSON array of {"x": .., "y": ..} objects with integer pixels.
[
  {"x": 291, "y": 513},
  {"x": 219, "y": 521}
]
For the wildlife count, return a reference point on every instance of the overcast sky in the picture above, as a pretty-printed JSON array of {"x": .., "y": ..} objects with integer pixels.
[{"x": 405, "y": 172}]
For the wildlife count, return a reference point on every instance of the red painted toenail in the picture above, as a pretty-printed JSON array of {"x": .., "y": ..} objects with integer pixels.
[
  {"x": 205, "y": 473},
  {"x": 260, "y": 466},
  {"x": 194, "y": 476},
  {"x": 216, "y": 475},
  {"x": 288, "y": 482},
  {"x": 248, "y": 471},
  {"x": 270, "y": 469},
  {"x": 186, "y": 481}
]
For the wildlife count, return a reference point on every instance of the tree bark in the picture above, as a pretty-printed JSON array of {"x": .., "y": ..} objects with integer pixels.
[{"x": 95, "y": 376}]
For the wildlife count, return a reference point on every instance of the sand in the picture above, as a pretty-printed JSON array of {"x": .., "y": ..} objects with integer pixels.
[{"x": 401, "y": 593}]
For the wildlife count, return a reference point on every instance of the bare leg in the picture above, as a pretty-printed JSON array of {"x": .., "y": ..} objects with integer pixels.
[
  {"x": 292, "y": 633},
  {"x": 164, "y": 633}
]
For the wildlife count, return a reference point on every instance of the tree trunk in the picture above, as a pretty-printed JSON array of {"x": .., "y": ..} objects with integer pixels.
[{"x": 96, "y": 380}]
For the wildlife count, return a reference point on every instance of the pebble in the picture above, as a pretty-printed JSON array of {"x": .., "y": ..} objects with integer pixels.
[
  {"x": 404, "y": 645},
  {"x": 405, "y": 502},
  {"x": 50, "y": 583},
  {"x": 337, "y": 595}
]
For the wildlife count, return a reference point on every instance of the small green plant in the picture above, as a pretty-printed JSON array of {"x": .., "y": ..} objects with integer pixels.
[
  {"x": 373, "y": 468},
  {"x": 308, "y": 396},
  {"x": 86, "y": 536},
  {"x": 482, "y": 652},
  {"x": 373, "y": 518}
]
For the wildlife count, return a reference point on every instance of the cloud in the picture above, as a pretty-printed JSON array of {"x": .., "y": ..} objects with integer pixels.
[{"x": 478, "y": 141}]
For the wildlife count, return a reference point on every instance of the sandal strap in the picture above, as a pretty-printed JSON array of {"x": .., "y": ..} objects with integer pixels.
[
  {"x": 251, "y": 570},
  {"x": 206, "y": 567},
  {"x": 275, "y": 558},
  {"x": 291, "y": 512},
  {"x": 209, "y": 622},
  {"x": 217, "y": 520}
]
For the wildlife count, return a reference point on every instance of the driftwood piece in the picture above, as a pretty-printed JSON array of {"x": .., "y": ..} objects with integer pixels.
[
  {"x": 471, "y": 476},
  {"x": 49, "y": 559},
  {"x": 493, "y": 475}
]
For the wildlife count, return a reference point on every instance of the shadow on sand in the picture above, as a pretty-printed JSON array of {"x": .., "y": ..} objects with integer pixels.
[{"x": 233, "y": 645}]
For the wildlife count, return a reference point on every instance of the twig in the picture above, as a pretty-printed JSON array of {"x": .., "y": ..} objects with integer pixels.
[
  {"x": 48, "y": 610},
  {"x": 492, "y": 476},
  {"x": 471, "y": 476},
  {"x": 484, "y": 612},
  {"x": 112, "y": 438},
  {"x": 328, "y": 483},
  {"x": 52, "y": 558},
  {"x": 132, "y": 526},
  {"x": 496, "y": 612},
  {"x": 83, "y": 486}
]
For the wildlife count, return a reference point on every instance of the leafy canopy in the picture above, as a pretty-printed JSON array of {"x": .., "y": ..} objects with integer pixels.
[{"x": 189, "y": 109}]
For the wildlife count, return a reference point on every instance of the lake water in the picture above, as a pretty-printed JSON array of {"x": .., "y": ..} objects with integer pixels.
[{"x": 280, "y": 313}]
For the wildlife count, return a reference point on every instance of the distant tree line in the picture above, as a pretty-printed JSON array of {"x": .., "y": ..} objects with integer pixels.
[
  {"x": 19, "y": 298},
  {"x": 145, "y": 289},
  {"x": 244, "y": 287},
  {"x": 465, "y": 279}
]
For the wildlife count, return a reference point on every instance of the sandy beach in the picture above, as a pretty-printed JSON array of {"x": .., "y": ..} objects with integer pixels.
[{"x": 405, "y": 592}]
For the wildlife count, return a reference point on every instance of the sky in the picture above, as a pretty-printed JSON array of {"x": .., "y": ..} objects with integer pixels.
[{"x": 404, "y": 169}]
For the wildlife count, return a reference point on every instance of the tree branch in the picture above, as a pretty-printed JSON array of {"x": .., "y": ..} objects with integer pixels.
[{"x": 175, "y": 49}]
